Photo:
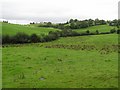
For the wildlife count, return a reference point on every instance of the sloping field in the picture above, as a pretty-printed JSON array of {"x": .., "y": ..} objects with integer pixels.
[
  {"x": 71, "y": 62},
  {"x": 12, "y": 29},
  {"x": 100, "y": 28},
  {"x": 97, "y": 41}
]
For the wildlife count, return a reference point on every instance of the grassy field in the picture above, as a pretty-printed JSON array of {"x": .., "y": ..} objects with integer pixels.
[
  {"x": 71, "y": 62},
  {"x": 100, "y": 28},
  {"x": 12, "y": 29}
]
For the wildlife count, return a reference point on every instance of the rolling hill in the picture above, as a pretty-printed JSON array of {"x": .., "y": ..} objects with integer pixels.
[
  {"x": 100, "y": 28},
  {"x": 12, "y": 29}
]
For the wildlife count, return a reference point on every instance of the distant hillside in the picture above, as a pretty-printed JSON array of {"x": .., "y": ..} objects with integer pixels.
[
  {"x": 100, "y": 28},
  {"x": 12, "y": 29}
]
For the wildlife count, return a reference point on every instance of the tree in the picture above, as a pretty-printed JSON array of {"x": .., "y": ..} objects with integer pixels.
[
  {"x": 97, "y": 21},
  {"x": 49, "y": 24},
  {"x": 73, "y": 25},
  {"x": 20, "y": 38},
  {"x": 87, "y": 31},
  {"x": 5, "y": 21},
  {"x": 112, "y": 30},
  {"x": 91, "y": 22},
  {"x": 71, "y": 20},
  {"x": 6, "y": 39},
  {"x": 97, "y": 32},
  {"x": 118, "y": 31},
  {"x": 34, "y": 38},
  {"x": 102, "y": 22}
]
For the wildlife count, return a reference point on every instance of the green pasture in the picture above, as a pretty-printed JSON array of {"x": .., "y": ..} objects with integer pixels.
[
  {"x": 12, "y": 29},
  {"x": 100, "y": 28},
  {"x": 71, "y": 62}
]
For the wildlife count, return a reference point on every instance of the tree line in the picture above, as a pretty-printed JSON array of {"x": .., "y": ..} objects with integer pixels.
[
  {"x": 21, "y": 38},
  {"x": 78, "y": 24}
]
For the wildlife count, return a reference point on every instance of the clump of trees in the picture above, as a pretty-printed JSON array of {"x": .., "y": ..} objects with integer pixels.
[
  {"x": 113, "y": 30},
  {"x": 114, "y": 23},
  {"x": 5, "y": 21},
  {"x": 118, "y": 31},
  {"x": 78, "y": 24},
  {"x": 74, "y": 24},
  {"x": 45, "y": 24}
]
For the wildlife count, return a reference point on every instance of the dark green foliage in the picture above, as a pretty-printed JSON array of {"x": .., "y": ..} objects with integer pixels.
[
  {"x": 6, "y": 39},
  {"x": 100, "y": 22},
  {"x": 0, "y": 39},
  {"x": 5, "y": 21},
  {"x": 112, "y": 30},
  {"x": 74, "y": 24},
  {"x": 88, "y": 31},
  {"x": 49, "y": 24},
  {"x": 45, "y": 24},
  {"x": 66, "y": 33},
  {"x": 20, "y": 38},
  {"x": 60, "y": 26},
  {"x": 52, "y": 36},
  {"x": 97, "y": 32},
  {"x": 32, "y": 22},
  {"x": 115, "y": 23},
  {"x": 71, "y": 20},
  {"x": 91, "y": 22},
  {"x": 34, "y": 38},
  {"x": 118, "y": 31},
  {"x": 105, "y": 33}
]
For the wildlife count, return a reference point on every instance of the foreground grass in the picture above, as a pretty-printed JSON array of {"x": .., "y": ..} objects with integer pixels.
[
  {"x": 12, "y": 29},
  {"x": 57, "y": 64}
]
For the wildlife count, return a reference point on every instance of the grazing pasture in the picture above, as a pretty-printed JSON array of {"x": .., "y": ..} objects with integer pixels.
[
  {"x": 12, "y": 29},
  {"x": 100, "y": 28},
  {"x": 69, "y": 62}
]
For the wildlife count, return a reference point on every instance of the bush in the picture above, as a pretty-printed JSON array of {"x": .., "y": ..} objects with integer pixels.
[
  {"x": 118, "y": 31},
  {"x": 34, "y": 38},
  {"x": 51, "y": 36},
  {"x": 20, "y": 38},
  {"x": 97, "y": 32},
  {"x": 6, "y": 39},
  {"x": 112, "y": 30},
  {"x": 87, "y": 31}
]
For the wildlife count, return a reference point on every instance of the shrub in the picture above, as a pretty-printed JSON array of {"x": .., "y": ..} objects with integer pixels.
[
  {"x": 87, "y": 31},
  {"x": 97, "y": 32},
  {"x": 34, "y": 38},
  {"x": 112, "y": 30},
  {"x": 20, "y": 38},
  {"x": 118, "y": 31},
  {"x": 5, "y": 39}
]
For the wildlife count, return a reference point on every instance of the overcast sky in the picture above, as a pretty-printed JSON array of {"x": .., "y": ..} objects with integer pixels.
[{"x": 58, "y": 10}]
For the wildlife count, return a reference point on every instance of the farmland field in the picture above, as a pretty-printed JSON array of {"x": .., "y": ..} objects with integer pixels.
[
  {"x": 59, "y": 44},
  {"x": 70, "y": 62},
  {"x": 12, "y": 29},
  {"x": 100, "y": 28}
]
